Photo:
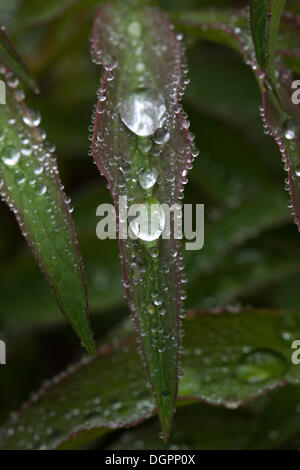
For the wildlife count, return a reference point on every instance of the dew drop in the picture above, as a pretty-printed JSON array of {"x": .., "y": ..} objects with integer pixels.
[
  {"x": 134, "y": 29},
  {"x": 150, "y": 222},
  {"x": 11, "y": 156},
  {"x": 148, "y": 178},
  {"x": 289, "y": 129},
  {"x": 41, "y": 189},
  {"x": 261, "y": 365},
  {"x": 143, "y": 111},
  {"x": 161, "y": 136},
  {"x": 32, "y": 118}
]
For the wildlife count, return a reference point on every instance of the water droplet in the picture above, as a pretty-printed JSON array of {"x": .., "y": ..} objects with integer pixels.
[
  {"x": 134, "y": 29},
  {"x": 11, "y": 156},
  {"x": 32, "y": 118},
  {"x": 161, "y": 136},
  {"x": 261, "y": 365},
  {"x": 232, "y": 403},
  {"x": 143, "y": 111},
  {"x": 148, "y": 178},
  {"x": 41, "y": 189},
  {"x": 149, "y": 223},
  {"x": 289, "y": 129}
]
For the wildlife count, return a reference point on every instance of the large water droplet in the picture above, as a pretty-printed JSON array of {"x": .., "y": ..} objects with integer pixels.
[
  {"x": 289, "y": 129},
  {"x": 261, "y": 365},
  {"x": 11, "y": 156},
  {"x": 149, "y": 223},
  {"x": 143, "y": 111},
  {"x": 148, "y": 178}
]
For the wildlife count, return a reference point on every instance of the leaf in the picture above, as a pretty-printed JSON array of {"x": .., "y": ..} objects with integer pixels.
[
  {"x": 257, "y": 214},
  {"x": 102, "y": 270},
  {"x": 197, "y": 426},
  {"x": 279, "y": 420},
  {"x": 30, "y": 185},
  {"x": 229, "y": 359},
  {"x": 280, "y": 115},
  {"x": 39, "y": 11},
  {"x": 144, "y": 62},
  {"x": 10, "y": 58},
  {"x": 265, "y": 424},
  {"x": 265, "y": 19}
]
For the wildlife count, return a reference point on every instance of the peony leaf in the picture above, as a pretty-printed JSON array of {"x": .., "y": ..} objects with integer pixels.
[
  {"x": 229, "y": 359},
  {"x": 30, "y": 185},
  {"x": 12, "y": 60},
  {"x": 142, "y": 145}
]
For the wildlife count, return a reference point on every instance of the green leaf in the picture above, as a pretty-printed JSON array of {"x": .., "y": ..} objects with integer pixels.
[
  {"x": 280, "y": 115},
  {"x": 12, "y": 60},
  {"x": 279, "y": 420},
  {"x": 30, "y": 185},
  {"x": 197, "y": 426},
  {"x": 229, "y": 358},
  {"x": 237, "y": 225},
  {"x": 265, "y": 424},
  {"x": 39, "y": 11},
  {"x": 136, "y": 70},
  {"x": 265, "y": 19}
]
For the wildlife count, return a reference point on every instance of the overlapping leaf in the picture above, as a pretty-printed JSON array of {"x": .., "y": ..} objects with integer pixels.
[
  {"x": 280, "y": 113},
  {"x": 229, "y": 359},
  {"x": 13, "y": 61},
  {"x": 144, "y": 65},
  {"x": 30, "y": 184}
]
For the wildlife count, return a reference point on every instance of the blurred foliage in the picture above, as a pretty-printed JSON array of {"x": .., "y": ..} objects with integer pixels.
[{"x": 251, "y": 255}]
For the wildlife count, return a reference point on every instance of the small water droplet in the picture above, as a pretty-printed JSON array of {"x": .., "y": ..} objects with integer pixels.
[
  {"x": 32, "y": 118},
  {"x": 11, "y": 156},
  {"x": 134, "y": 29},
  {"x": 161, "y": 136},
  {"x": 289, "y": 129}
]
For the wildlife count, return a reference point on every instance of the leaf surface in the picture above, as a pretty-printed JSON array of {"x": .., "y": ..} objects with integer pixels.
[
  {"x": 144, "y": 66},
  {"x": 12, "y": 60},
  {"x": 229, "y": 359},
  {"x": 30, "y": 185}
]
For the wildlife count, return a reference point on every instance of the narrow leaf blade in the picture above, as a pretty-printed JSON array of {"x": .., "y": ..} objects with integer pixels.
[
  {"x": 30, "y": 185},
  {"x": 12, "y": 60},
  {"x": 265, "y": 19},
  {"x": 143, "y": 59}
]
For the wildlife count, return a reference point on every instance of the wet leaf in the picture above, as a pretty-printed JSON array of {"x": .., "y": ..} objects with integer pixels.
[
  {"x": 280, "y": 113},
  {"x": 142, "y": 145},
  {"x": 265, "y": 19},
  {"x": 229, "y": 358},
  {"x": 10, "y": 58},
  {"x": 30, "y": 185},
  {"x": 39, "y": 11}
]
